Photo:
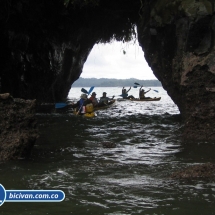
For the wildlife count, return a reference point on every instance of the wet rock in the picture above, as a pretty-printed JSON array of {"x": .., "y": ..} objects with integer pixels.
[
  {"x": 180, "y": 51},
  {"x": 18, "y": 130},
  {"x": 206, "y": 170},
  {"x": 108, "y": 145},
  {"x": 4, "y": 96}
]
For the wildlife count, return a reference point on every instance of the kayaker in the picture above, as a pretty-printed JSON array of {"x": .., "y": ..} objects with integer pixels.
[
  {"x": 94, "y": 99},
  {"x": 142, "y": 93},
  {"x": 125, "y": 94},
  {"x": 81, "y": 104},
  {"x": 104, "y": 99}
]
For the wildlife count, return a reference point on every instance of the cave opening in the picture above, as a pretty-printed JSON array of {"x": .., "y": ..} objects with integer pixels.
[{"x": 117, "y": 60}]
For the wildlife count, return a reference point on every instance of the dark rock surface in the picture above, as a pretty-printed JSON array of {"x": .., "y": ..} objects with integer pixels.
[
  {"x": 109, "y": 145},
  {"x": 177, "y": 39},
  {"x": 44, "y": 45},
  {"x": 18, "y": 131},
  {"x": 200, "y": 171}
]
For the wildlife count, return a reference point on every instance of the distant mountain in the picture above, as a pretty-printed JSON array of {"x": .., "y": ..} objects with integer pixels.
[{"x": 106, "y": 82}]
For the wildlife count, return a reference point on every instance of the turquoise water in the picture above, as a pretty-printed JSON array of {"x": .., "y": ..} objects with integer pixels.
[{"x": 132, "y": 178}]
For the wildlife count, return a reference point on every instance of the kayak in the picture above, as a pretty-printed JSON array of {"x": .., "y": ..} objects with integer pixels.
[
  {"x": 145, "y": 100},
  {"x": 92, "y": 114},
  {"x": 121, "y": 99},
  {"x": 104, "y": 106},
  {"x": 89, "y": 111}
]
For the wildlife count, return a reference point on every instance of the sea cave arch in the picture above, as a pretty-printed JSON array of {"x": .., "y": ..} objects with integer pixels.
[{"x": 45, "y": 45}]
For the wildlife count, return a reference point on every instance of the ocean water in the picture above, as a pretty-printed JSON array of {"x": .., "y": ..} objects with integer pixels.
[{"x": 132, "y": 178}]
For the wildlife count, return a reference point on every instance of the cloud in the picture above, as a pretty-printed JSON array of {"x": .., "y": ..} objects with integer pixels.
[{"x": 108, "y": 61}]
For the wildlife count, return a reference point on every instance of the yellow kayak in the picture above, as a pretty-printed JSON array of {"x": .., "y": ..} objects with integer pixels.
[
  {"x": 92, "y": 114},
  {"x": 89, "y": 111}
]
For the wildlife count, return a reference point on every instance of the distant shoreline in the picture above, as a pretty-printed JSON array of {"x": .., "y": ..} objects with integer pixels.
[{"x": 106, "y": 82}]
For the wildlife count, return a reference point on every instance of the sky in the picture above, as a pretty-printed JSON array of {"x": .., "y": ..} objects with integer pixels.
[{"x": 109, "y": 61}]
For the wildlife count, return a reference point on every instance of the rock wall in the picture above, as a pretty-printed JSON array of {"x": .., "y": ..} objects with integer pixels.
[
  {"x": 42, "y": 52},
  {"x": 18, "y": 131},
  {"x": 44, "y": 44},
  {"x": 177, "y": 38}
]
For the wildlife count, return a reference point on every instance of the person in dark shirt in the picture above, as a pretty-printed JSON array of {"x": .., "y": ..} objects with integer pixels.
[
  {"x": 142, "y": 93},
  {"x": 125, "y": 94},
  {"x": 104, "y": 99}
]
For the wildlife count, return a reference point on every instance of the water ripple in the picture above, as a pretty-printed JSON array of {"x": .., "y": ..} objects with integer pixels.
[{"x": 132, "y": 178}]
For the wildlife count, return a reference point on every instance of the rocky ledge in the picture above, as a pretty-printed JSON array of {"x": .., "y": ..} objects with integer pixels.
[
  {"x": 18, "y": 130},
  {"x": 200, "y": 171}
]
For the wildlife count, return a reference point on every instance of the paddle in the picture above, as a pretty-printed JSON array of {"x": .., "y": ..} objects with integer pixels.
[
  {"x": 90, "y": 90},
  {"x": 84, "y": 91},
  {"x": 151, "y": 89},
  {"x": 60, "y": 105},
  {"x": 79, "y": 109},
  {"x": 87, "y": 92},
  {"x": 123, "y": 95}
]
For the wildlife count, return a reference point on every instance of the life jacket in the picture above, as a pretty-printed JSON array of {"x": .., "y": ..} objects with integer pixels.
[
  {"x": 89, "y": 108},
  {"x": 94, "y": 100}
]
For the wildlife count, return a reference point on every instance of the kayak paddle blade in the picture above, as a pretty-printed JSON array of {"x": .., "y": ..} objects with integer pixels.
[
  {"x": 60, "y": 105},
  {"x": 84, "y": 91},
  {"x": 87, "y": 92},
  {"x": 90, "y": 90},
  {"x": 123, "y": 95}
]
